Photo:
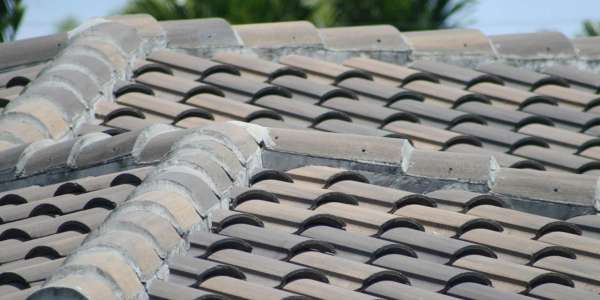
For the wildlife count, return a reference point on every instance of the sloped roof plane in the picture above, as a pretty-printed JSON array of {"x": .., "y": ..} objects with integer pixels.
[{"x": 198, "y": 160}]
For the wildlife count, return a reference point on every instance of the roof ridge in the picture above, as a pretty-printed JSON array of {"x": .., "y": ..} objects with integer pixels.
[{"x": 200, "y": 35}]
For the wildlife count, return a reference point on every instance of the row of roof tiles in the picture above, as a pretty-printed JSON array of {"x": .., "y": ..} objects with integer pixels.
[{"x": 387, "y": 38}]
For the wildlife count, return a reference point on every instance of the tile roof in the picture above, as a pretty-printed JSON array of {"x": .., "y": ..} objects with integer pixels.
[
  {"x": 367, "y": 241},
  {"x": 41, "y": 225},
  {"x": 198, "y": 160}
]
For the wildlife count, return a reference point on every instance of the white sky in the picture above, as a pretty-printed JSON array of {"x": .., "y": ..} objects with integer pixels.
[{"x": 490, "y": 16}]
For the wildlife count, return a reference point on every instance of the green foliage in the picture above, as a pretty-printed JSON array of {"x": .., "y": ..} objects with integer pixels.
[
  {"x": 404, "y": 14},
  {"x": 235, "y": 11},
  {"x": 591, "y": 28},
  {"x": 66, "y": 24},
  {"x": 11, "y": 15}
]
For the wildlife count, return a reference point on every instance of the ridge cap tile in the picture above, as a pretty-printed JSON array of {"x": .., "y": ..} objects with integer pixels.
[
  {"x": 543, "y": 44},
  {"x": 200, "y": 33},
  {"x": 279, "y": 34},
  {"x": 364, "y": 38},
  {"x": 468, "y": 41}
]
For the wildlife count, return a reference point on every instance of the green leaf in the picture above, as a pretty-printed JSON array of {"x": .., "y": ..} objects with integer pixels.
[{"x": 404, "y": 14}]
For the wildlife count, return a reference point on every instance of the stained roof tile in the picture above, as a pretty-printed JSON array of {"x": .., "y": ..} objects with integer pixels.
[
  {"x": 557, "y": 291},
  {"x": 165, "y": 290},
  {"x": 575, "y": 76},
  {"x": 562, "y": 187},
  {"x": 521, "y": 223},
  {"x": 399, "y": 291},
  {"x": 583, "y": 274},
  {"x": 464, "y": 76},
  {"x": 530, "y": 79},
  {"x": 428, "y": 275},
  {"x": 538, "y": 44},
  {"x": 377, "y": 197},
  {"x": 513, "y": 248},
  {"x": 320, "y": 290},
  {"x": 190, "y": 64},
  {"x": 435, "y": 248},
  {"x": 32, "y": 50},
  {"x": 276, "y": 244},
  {"x": 208, "y": 32},
  {"x": 468, "y": 41},
  {"x": 586, "y": 46},
  {"x": 393, "y": 72},
  {"x": 346, "y": 273},
  {"x": 503, "y": 159},
  {"x": 267, "y": 35},
  {"x": 337, "y": 146},
  {"x": 373, "y": 37},
  {"x": 509, "y": 276},
  {"x": 478, "y": 291}
]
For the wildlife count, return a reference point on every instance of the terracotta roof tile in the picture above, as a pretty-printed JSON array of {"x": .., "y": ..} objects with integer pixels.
[
  {"x": 271, "y": 35},
  {"x": 523, "y": 77},
  {"x": 320, "y": 290},
  {"x": 510, "y": 276},
  {"x": 462, "y": 76},
  {"x": 557, "y": 291},
  {"x": 478, "y": 291},
  {"x": 586, "y": 79},
  {"x": 374, "y": 37},
  {"x": 468, "y": 41},
  {"x": 32, "y": 50},
  {"x": 539, "y": 44},
  {"x": 586, "y": 47},
  {"x": 209, "y": 32}
]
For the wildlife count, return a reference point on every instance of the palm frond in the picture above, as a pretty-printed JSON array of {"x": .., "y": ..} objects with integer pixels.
[
  {"x": 591, "y": 28},
  {"x": 11, "y": 15}
]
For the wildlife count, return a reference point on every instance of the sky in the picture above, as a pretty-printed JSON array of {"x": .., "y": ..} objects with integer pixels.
[{"x": 489, "y": 16}]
